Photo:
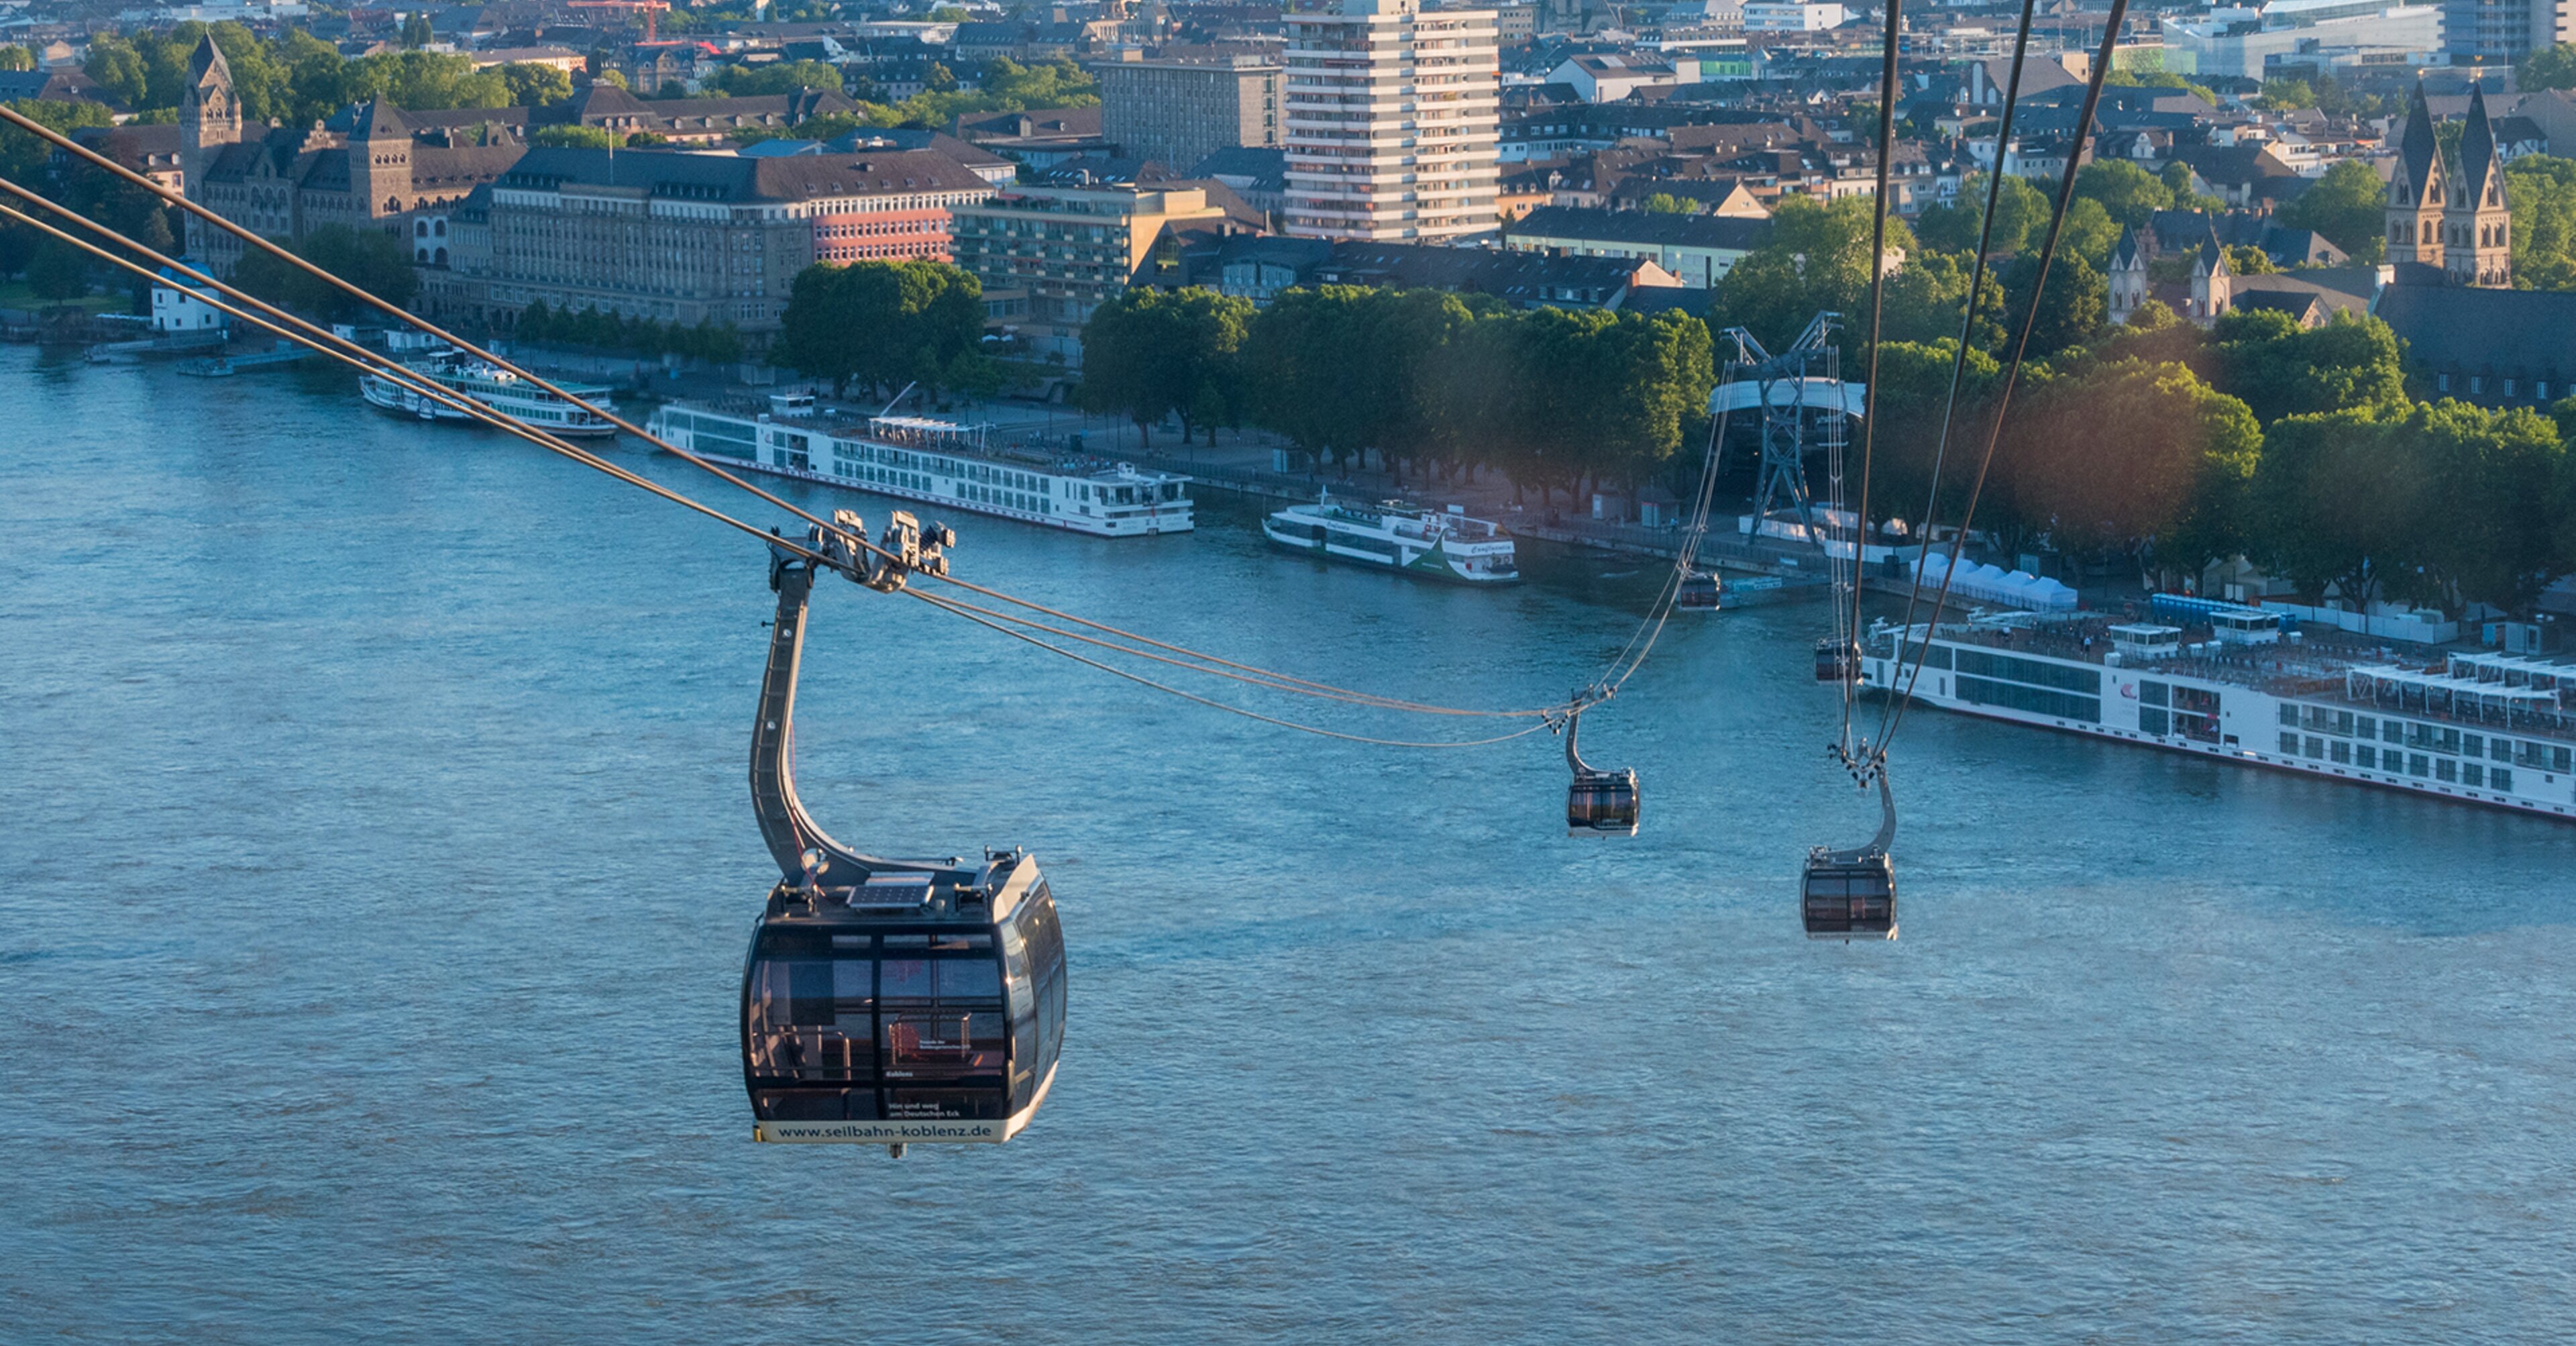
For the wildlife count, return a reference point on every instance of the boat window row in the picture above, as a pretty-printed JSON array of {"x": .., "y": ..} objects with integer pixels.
[
  {"x": 2448, "y": 740},
  {"x": 2396, "y": 762},
  {"x": 2037, "y": 700},
  {"x": 2037, "y": 672}
]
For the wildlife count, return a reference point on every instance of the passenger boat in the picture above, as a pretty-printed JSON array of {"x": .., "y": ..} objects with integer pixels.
[
  {"x": 494, "y": 387},
  {"x": 1394, "y": 536},
  {"x": 2477, "y": 727},
  {"x": 944, "y": 463}
]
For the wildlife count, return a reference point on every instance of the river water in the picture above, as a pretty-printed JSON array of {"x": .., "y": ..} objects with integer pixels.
[{"x": 377, "y": 868}]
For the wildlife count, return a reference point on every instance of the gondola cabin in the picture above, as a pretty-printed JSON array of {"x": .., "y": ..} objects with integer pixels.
[
  {"x": 1598, "y": 803},
  {"x": 1602, "y": 803},
  {"x": 1700, "y": 592},
  {"x": 1836, "y": 660},
  {"x": 886, "y": 1002},
  {"x": 909, "y": 1008},
  {"x": 1849, "y": 896}
]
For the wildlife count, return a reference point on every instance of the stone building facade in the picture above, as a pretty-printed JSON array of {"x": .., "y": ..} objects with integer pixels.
[{"x": 690, "y": 238}]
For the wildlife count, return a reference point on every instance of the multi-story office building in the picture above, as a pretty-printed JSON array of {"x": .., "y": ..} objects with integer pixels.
[
  {"x": 690, "y": 237},
  {"x": 1049, "y": 256},
  {"x": 1182, "y": 111},
  {"x": 1391, "y": 114},
  {"x": 2234, "y": 43},
  {"x": 2501, "y": 32}
]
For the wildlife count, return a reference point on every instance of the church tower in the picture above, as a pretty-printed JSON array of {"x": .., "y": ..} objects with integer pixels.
[
  {"x": 2416, "y": 190},
  {"x": 2128, "y": 275},
  {"x": 210, "y": 115},
  {"x": 2477, "y": 222},
  {"x": 2213, "y": 281}
]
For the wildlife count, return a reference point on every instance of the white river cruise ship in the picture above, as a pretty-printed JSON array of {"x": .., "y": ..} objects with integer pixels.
[
  {"x": 1396, "y": 536},
  {"x": 2478, "y": 727},
  {"x": 494, "y": 387},
  {"x": 938, "y": 462}
]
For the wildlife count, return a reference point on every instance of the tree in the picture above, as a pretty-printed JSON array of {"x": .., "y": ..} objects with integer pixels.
[
  {"x": 416, "y": 31},
  {"x": 1665, "y": 203},
  {"x": 746, "y": 81},
  {"x": 535, "y": 85},
  {"x": 2552, "y": 67},
  {"x": 615, "y": 79},
  {"x": 16, "y": 58},
  {"x": 2021, "y": 217},
  {"x": 2282, "y": 369},
  {"x": 881, "y": 324},
  {"x": 2072, "y": 308},
  {"x": 576, "y": 137},
  {"x": 2134, "y": 454},
  {"x": 1150, "y": 354},
  {"x": 2442, "y": 502},
  {"x": 58, "y": 271},
  {"x": 2285, "y": 95},
  {"x": 2129, "y": 194},
  {"x": 2347, "y": 205},
  {"x": 1818, "y": 258},
  {"x": 1927, "y": 297},
  {"x": 370, "y": 259},
  {"x": 24, "y": 158},
  {"x": 2542, "y": 191}
]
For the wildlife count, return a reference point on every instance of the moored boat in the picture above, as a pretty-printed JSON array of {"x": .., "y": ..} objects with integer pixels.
[
  {"x": 1439, "y": 544},
  {"x": 494, "y": 387}
]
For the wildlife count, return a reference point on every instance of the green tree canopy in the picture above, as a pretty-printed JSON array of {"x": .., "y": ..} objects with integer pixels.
[
  {"x": 2132, "y": 454},
  {"x": 2129, "y": 194},
  {"x": 2541, "y": 189},
  {"x": 1149, "y": 354},
  {"x": 2551, "y": 67},
  {"x": 1817, "y": 258},
  {"x": 370, "y": 259},
  {"x": 2347, "y": 205},
  {"x": 881, "y": 324},
  {"x": 1665, "y": 203},
  {"x": 2282, "y": 369}
]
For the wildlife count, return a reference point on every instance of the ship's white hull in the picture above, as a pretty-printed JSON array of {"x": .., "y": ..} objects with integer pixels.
[
  {"x": 1087, "y": 503},
  {"x": 1385, "y": 553},
  {"x": 551, "y": 417},
  {"x": 2248, "y": 732},
  {"x": 1167, "y": 521}
]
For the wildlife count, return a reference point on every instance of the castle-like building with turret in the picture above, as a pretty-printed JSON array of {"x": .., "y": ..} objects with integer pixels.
[{"x": 363, "y": 168}]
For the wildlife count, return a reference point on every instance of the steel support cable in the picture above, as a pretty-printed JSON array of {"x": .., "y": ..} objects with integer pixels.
[
  {"x": 1967, "y": 318},
  {"x": 962, "y": 607},
  {"x": 363, "y": 362},
  {"x": 1689, "y": 554},
  {"x": 15, "y": 118},
  {"x": 1877, "y": 318},
  {"x": 952, "y": 606},
  {"x": 2012, "y": 372}
]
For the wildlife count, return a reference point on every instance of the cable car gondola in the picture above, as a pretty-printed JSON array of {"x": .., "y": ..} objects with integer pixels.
[
  {"x": 1851, "y": 894},
  {"x": 1700, "y": 591},
  {"x": 1837, "y": 659},
  {"x": 1598, "y": 803},
  {"x": 887, "y": 1002}
]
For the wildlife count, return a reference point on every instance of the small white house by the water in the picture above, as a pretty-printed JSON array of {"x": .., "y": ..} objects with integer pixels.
[{"x": 180, "y": 307}]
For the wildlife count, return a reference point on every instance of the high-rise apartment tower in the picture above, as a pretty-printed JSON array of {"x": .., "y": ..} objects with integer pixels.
[{"x": 1391, "y": 112}]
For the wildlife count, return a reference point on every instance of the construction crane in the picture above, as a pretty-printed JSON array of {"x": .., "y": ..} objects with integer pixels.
[{"x": 648, "y": 8}]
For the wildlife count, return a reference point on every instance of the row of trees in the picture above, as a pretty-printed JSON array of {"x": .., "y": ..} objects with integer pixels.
[
  {"x": 717, "y": 343},
  {"x": 370, "y": 259},
  {"x": 2298, "y": 448},
  {"x": 299, "y": 79},
  {"x": 1442, "y": 382}
]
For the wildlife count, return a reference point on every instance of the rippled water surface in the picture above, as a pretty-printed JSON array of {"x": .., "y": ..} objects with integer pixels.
[{"x": 376, "y": 867}]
